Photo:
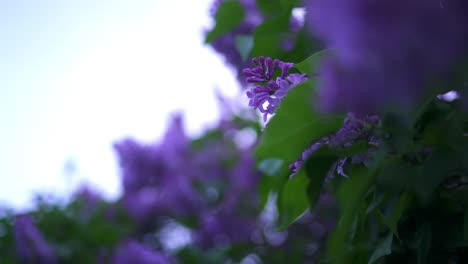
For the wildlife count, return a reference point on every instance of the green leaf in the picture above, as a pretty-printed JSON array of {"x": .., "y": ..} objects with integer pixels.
[
  {"x": 244, "y": 45},
  {"x": 437, "y": 167},
  {"x": 269, "y": 36},
  {"x": 303, "y": 190},
  {"x": 290, "y": 3},
  {"x": 310, "y": 65},
  {"x": 396, "y": 175},
  {"x": 294, "y": 127},
  {"x": 377, "y": 198},
  {"x": 351, "y": 194},
  {"x": 270, "y": 6},
  {"x": 383, "y": 248},
  {"x": 292, "y": 200},
  {"x": 228, "y": 16},
  {"x": 401, "y": 206},
  {"x": 317, "y": 168}
]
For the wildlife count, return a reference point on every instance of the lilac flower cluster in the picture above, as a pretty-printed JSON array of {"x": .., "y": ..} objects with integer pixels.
[
  {"x": 269, "y": 91},
  {"x": 386, "y": 52},
  {"x": 161, "y": 180},
  {"x": 153, "y": 179},
  {"x": 356, "y": 127},
  {"x": 213, "y": 183}
]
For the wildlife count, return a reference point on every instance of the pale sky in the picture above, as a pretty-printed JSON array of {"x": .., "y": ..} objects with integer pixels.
[{"x": 77, "y": 75}]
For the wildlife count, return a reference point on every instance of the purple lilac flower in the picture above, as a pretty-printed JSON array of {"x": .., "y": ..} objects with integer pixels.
[
  {"x": 31, "y": 245},
  {"x": 356, "y": 127},
  {"x": 386, "y": 52},
  {"x": 130, "y": 252},
  {"x": 268, "y": 92}
]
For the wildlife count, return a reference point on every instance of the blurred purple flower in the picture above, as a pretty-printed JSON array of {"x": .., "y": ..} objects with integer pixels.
[
  {"x": 218, "y": 229},
  {"x": 31, "y": 246},
  {"x": 244, "y": 177},
  {"x": 155, "y": 177},
  {"x": 386, "y": 52},
  {"x": 267, "y": 93},
  {"x": 130, "y": 252}
]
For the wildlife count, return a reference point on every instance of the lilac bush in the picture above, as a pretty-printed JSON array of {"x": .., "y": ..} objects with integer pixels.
[{"x": 373, "y": 107}]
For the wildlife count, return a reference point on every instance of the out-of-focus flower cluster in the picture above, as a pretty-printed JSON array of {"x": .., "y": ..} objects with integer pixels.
[
  {"x": 206, "y": 186},
  {"x": 172, "y": 179},
  {"x": 387, "y": 53}
]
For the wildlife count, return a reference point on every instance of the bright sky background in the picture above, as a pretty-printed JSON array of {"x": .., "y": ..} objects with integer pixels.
[{"x": 77, "y": 75}]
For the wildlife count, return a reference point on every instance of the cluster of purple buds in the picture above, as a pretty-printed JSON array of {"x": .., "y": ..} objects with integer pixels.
[
  {"x": 269, "y": 91},
  {"x": 356, "y": 127}
]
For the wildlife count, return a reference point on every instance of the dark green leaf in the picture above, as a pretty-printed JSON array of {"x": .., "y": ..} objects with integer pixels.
[
  {"x": 228, "y": 16},
  {"x": 437, "y": 167},
  {"x": 376, "y": 200},
  {"x": 293, "y": 200},
  {"x": 270, "y": 6},
  {"x": 351, "y": 196},
  {"x": 317, "y": 168},
  {"x": 395, "y": 174},
  {"x": 290, "y": 3}
]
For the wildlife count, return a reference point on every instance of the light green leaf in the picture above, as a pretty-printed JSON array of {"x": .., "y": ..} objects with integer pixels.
[{"x": 310, "y": 65}]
